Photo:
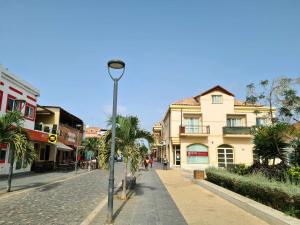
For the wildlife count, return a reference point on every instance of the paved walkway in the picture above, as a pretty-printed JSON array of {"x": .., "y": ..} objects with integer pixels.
[
  {"x": 199, "y": 206},
  {"x": 61, "y": 203},
  {"x": 149, "y": 203}
]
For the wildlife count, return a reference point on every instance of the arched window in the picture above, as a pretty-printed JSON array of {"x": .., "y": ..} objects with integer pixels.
[
  {"x": 197, "y": 153},
  {"x": 225, "y": 155}
]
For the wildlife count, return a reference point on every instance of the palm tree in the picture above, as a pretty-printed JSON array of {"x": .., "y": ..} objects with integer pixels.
[
  {"x": 91, "y": 148},
  {"x": 20, "y": 148},
  {"x": 270, "y": 143},
  {"x": 128, "y": 131}
]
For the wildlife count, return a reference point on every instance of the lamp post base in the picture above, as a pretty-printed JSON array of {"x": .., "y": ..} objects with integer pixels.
[{"x": 109, "y": 222}]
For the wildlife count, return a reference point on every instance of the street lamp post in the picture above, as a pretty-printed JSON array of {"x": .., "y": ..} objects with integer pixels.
[
  {"x": 78, "y": 126},
  {"x": 117, "y": 65}
]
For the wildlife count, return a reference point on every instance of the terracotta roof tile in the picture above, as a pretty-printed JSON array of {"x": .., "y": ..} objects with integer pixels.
[
  {"x": 187, "y": 101},
  {"x": 241, "y": 103}
]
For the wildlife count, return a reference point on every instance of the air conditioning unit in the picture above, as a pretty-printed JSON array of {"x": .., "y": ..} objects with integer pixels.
[{"x": 163, "y": 142}]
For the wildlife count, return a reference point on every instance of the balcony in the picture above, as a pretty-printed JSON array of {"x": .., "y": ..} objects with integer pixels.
[
  {"x": 48, "y": 128},
  {"x": 237, "y": 131},
  {"x": 194, "y": 131}
]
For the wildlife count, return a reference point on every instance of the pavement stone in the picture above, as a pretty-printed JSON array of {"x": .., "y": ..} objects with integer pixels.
[
  {"x": 149, "y": 203},
  {"x": 64, "y": 203},
  {"x": 200, "y": 206},
  {"x": 33, "y": 179}
]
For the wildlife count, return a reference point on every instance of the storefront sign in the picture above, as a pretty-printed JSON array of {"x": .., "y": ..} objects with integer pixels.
[
  {"x": 189, "y": 154},
  {"x": 71, "y": 137},
  {"x": 52, "y": 138},
  {"x": 3, "y": 146}
]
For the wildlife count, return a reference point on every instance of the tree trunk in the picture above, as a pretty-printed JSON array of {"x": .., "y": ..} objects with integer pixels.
[
  {"x": 123, "y": 195},
  {"x": 11, "y": 166},
  {"x": 273, "y": 161},
  {"x": 271, "y": 111}
]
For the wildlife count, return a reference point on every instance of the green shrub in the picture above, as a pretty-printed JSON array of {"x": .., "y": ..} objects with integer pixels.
[
  {"x": 240, "y": 169},
  {"x": 294, "y": 174},
  {"x": 276, "y": 172},
  {"x": 281, "y": 196}
]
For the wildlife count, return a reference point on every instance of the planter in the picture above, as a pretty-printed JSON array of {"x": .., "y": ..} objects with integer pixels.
[{"x": 199, "y": 174}]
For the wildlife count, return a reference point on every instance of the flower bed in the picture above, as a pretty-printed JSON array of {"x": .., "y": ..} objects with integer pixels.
[{"x": 281, "y": 196}]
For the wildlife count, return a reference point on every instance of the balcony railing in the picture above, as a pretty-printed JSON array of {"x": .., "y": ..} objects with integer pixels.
[
  {"x": 194, "y": 129},
  {"x": 48, "y": 128},
  {"x": 237, "y": 130}
]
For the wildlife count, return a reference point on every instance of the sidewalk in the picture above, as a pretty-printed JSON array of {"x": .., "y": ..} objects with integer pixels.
[
  {"x": 199, "y": 206},
  {"x": 149, "y": 203}
]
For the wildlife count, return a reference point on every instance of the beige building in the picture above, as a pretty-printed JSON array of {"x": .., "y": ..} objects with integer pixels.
[
  {"x": 94, "y": 132},
  {"x": 210, "y": 129},
  {"x": 69, "y": 130}
]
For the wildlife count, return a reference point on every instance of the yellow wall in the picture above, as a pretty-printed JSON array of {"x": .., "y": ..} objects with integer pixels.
[{"x": 214, "y": 116}]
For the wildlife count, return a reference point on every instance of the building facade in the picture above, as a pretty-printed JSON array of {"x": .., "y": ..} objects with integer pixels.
[
  {"x": 210, "y": 129},
  {"x": 69, "y": 130},
  {"x": 94, "y": 132},
  {"x": 13, "y": 88}
]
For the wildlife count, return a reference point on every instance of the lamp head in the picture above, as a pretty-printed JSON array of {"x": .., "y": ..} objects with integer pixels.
[{"x": 116, "y": 64}]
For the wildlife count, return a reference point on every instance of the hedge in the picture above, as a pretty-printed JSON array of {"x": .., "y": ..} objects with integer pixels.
[{"x": 281, "y": 196}]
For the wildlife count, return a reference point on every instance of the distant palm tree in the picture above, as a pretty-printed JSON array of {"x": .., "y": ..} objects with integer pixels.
[
  {"x": 92, "y": 147},
  {"x": 20, "y": 147},
  {"x": 128, "y": 131}
]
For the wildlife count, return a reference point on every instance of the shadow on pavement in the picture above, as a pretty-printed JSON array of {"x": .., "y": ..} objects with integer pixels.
[
  {"x": 140, "y": 187},
  {"x": 49, "y": 187},
  {"x": 123, "y": 204}
]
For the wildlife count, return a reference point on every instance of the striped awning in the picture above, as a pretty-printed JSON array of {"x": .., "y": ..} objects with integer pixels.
[{"x": 62, "y": 147}]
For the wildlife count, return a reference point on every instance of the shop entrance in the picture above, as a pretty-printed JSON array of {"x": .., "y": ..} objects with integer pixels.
[{"x": 177, "y": 155}]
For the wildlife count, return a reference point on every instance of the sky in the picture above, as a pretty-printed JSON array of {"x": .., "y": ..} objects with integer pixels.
[{"x": 172, "y": 49}]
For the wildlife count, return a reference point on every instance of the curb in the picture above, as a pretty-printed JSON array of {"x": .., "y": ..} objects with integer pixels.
[{"x": 268, "y": 214}]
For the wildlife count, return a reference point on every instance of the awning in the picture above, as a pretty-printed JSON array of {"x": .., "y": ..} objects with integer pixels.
[
  {"x": 62, "y": 147},
  {"x": 36, "y": 135}
]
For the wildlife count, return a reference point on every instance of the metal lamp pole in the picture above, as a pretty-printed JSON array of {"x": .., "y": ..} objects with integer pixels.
[
  {"x": 119, "y": 65},
  {"x": 77, "y": 147}
]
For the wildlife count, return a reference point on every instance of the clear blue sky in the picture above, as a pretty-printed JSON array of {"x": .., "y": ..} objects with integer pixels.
[{"x": 172, "y": 49}]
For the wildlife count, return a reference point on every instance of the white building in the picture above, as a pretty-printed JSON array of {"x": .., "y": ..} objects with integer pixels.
[{"x": 13, "y": 88}]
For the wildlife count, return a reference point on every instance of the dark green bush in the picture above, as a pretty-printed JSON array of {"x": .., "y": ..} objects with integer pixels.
[
  {"x": 294, "y": 175},
  {"x": 240, "y": 169},
  {"x": 281, "y": 196},
  {"x": 272, "y": 172}
]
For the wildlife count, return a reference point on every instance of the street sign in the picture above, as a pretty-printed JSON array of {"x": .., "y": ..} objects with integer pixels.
[{"x": 52, "y": 138}]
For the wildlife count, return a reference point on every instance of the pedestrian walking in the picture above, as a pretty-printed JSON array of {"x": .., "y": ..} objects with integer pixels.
[
  {"x": 151, "y": 161},
  {"x": 165, "y": 163},
  {"x": 146, "y": 163}
]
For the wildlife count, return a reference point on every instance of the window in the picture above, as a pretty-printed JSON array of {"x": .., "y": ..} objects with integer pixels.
[
  {"x": 217, "y": 99},
  {"x": 10, "y": 102},
  {"x": 234, "y": 122},
  {"x": 47, "y": 152},
  {"x": 260, "y": 121},
  {"x": 2, "y": 155},
  {"x": 197, "y": 153},
  {"x": 225, "y": 155},
  {"x": 191, "y": 125},
  {"x": 42, "y": 154},
  {"x": 1, "y": 96},
  {"x": 29, "y": 111}
]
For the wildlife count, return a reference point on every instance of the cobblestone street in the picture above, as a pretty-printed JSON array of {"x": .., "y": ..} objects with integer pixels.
[
  {"x": 67, "y": 202},
  {"x": 32, "y": 179}
]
